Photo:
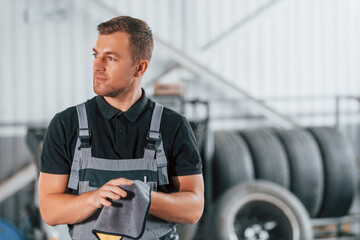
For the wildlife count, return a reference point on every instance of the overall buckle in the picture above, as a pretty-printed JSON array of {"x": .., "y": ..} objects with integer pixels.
[
  {"x": 153, "y": 135},
  {"x": 85, "y": 135},
  {"x": 154, "y": 139}
]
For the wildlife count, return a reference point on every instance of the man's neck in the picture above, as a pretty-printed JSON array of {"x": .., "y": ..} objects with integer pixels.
[{"x": 124, "y": 103}]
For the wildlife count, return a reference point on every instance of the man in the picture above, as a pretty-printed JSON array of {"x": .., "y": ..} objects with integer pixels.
[{"x": 113, "y": 131}]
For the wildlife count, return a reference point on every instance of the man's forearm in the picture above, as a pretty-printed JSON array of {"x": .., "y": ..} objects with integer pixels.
[
  {"x": 62, "y": 208},
  {"x": 57, "y": 206},
  {"x": 179, "y": 207}
]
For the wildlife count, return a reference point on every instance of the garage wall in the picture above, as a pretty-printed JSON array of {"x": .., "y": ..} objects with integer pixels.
[
  {"x": 297, "y": 56},
  {"x": 43, "y": 63},
  {"x": 279, "y": 49}
]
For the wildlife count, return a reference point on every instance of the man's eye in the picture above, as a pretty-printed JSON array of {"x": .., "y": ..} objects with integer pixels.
[
  {"x": 110, "y": 58},
  {"x": 95, "y": 55}
]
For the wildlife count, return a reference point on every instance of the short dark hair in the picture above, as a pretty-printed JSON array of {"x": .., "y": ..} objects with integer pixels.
[{"x": 141, "y": 39}]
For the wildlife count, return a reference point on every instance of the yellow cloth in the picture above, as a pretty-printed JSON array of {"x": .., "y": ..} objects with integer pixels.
[{"x": 103, "y": 236}]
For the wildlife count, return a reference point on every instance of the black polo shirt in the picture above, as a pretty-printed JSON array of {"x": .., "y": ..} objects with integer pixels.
[{"x": 120, "y": 135}]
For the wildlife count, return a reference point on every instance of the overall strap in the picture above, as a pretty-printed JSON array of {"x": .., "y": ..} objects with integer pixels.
[
  {"x": 82, "y": 148},
  {"x": 155, "y": 121},
  {"x": 84, "y": 130},
  {"x": 153, "y": 135},
  {"x": 155, "y": 145}
]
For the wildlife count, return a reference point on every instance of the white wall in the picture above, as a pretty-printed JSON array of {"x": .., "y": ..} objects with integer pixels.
[
  {"x": 44, "y": 65},
  {"x": 293, "y": 48}
]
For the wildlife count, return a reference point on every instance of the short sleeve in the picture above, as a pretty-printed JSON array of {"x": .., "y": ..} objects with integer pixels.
[
  {"x": 185, "y": 157},
  {"x": 54, "y": 157}
]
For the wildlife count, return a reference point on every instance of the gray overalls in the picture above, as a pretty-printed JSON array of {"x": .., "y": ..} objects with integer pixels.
[{"x": 89, "y": 173}]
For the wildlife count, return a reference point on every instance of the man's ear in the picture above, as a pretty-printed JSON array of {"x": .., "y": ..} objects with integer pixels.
[{"x": 141, "y": 68}]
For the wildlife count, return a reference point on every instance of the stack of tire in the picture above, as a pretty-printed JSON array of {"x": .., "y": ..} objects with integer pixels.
[{"x": 268, "y": 183}]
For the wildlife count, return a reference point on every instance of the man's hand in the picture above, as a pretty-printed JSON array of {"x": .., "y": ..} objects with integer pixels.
[
  {"x": 58, "y": 206},
  {"x": 109, "y": 190}
]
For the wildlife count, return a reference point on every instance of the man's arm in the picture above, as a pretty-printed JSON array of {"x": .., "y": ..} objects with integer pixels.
[
  {"x": 58, "y": 206},
  {"x": 184, "y": 206}
]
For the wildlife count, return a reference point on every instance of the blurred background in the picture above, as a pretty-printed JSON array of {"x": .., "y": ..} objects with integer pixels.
[{"x": 228, "y": 66}]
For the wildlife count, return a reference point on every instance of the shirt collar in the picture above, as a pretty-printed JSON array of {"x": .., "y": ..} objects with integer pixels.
[{"x": 132, "y": 114}]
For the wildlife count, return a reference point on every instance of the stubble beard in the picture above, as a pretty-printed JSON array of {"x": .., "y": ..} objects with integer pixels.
[{"x": 105, "y": 91}]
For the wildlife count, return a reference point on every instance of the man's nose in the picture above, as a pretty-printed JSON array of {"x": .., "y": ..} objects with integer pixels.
[{"x": 98, "y": 64}]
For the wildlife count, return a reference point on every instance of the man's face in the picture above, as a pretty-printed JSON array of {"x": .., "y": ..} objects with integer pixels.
[{"x": 113, "y": 66}]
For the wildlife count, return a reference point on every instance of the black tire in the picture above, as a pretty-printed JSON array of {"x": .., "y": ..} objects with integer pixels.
[
  {"x": 186, "y": 231},
  {"x": 260, "y": 207},
  {"x": 306, "y": 168},
  {"x": 339, "y": 169},
  {"x": 232, "y": 161},
  {"x": 268, "y": 154}
]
